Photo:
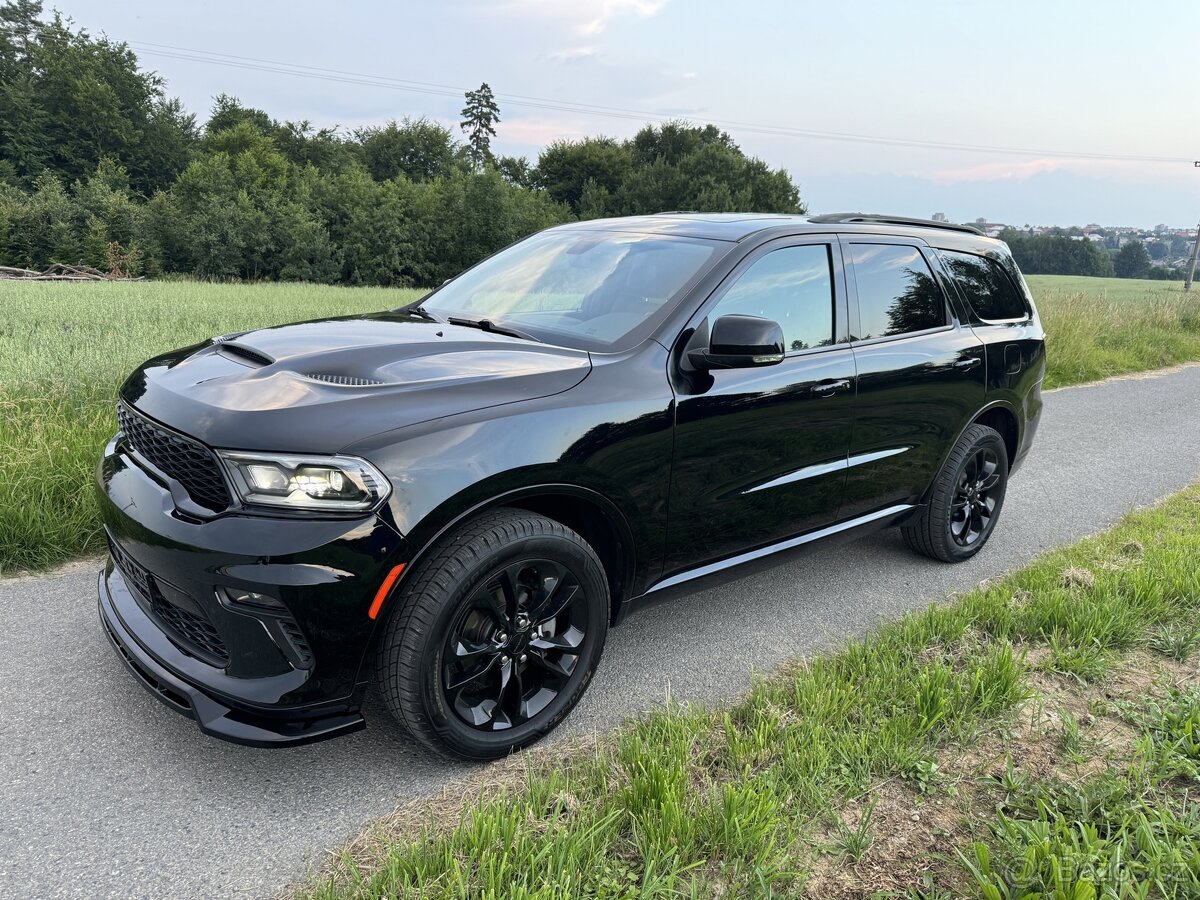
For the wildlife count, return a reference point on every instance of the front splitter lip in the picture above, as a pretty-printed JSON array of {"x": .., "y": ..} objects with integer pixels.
[{"x": 215, "y": 718}]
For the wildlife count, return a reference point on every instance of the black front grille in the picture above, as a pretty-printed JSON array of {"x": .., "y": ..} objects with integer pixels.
[
  {"x": 191, "y": 632},
  {"x": 177, "y": 456}
]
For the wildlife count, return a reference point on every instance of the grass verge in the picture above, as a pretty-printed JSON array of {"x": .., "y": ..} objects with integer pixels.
[{"x": 866, "y": 772}]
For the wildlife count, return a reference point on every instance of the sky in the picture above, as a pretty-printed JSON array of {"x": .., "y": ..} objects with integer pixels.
[{"x": 1065, "y": 79}]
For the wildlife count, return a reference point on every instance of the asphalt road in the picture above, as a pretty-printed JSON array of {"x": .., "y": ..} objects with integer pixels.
[{"x": 106, "y": 793}]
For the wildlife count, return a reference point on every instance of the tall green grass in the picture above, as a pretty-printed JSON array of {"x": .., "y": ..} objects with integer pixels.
[
  {"x": 1100, "y": 327},
  {"x": 64, "y": 350}
]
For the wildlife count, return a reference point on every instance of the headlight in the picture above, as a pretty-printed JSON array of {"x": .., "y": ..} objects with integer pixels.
[{"x": 332, "y": 483}]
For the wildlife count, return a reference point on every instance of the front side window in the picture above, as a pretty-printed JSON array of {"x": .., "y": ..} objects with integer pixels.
[
  {"x": 792, "y": 286},
  {"x": 586, "y": 289},
  {"x": 897, "y": 293},
  {"x": 988, "y": 289}
]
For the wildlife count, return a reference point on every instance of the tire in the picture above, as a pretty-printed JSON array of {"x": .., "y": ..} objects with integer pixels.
[
  {"x": 465, "y": 648},
  {"x": 965, "y": 501}
]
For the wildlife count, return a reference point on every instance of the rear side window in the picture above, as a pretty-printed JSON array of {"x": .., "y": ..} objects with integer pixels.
[
  {"x": 987, "y": 287},
  {"x": 897, "y": 293},
  {"x": 792, "y": 286}
]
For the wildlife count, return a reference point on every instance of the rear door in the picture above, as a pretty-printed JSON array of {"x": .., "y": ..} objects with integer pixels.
[{"x": 921, "y": 371}]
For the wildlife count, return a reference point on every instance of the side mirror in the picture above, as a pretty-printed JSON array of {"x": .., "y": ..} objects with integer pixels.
[{"x": 740, "y": 342}]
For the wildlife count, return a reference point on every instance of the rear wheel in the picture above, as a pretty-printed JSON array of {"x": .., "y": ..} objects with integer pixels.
[
  {"x": 497, "y": 635},
  {"x": 966, "y": 499}
]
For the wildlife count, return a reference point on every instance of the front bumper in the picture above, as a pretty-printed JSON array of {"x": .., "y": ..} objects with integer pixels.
[
  {"x": 292, "y": 673},
  {"x": 215, "y": 716}
]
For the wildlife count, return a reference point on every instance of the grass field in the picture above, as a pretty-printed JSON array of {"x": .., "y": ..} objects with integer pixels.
[
  {"x": 1097, "y": 327},
  {"x": 1038, "y": 738},
  {"x": 64, "y": 349}
]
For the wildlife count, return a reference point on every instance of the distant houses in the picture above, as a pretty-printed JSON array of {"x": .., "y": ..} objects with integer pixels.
[{"x": 1169, "y": 247}]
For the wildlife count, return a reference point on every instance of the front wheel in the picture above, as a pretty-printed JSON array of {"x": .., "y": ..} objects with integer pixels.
[
  {"x": 497, "y": 635},
  {"x": 966, "y": 499}
]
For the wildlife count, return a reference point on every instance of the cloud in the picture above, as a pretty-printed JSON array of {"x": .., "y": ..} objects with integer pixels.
[
  {"x": 573, "y": 54},
  {"x": 588, "y": 17},
  {"x": 609, "y": 9},
  {"x": 993, "y": 171},
  {"x": 1014, "y": 170},
  {"x": 537, "y": 133}
]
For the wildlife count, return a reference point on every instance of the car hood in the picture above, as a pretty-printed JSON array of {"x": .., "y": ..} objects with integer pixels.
[{"x": 318, "y": 387}]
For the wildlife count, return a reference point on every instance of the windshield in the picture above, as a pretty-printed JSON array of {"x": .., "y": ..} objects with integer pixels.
[{"x": 588, "y": 289}]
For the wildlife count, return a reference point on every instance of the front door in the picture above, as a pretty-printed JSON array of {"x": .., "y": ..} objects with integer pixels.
[{"x": 760, "y": 453}]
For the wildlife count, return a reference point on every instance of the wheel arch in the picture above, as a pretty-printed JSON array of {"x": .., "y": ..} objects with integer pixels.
[
  {"x": 1000, "y": 415},
  {"x": 596, "y": 518}
]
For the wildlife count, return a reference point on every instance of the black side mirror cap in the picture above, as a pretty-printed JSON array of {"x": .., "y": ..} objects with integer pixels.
[{"x": 740, "y": 342}]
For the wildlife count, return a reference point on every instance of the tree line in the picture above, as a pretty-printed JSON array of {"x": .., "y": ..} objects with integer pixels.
[
  {"x": 98, "y": 165},
  {"x": 1059, "y": 253}
]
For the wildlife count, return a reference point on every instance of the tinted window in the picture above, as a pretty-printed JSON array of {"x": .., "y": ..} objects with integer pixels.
[
  {"x": 896, "y": 291},
  {"x": 792, "y": 286},
  {"x": 988, "y": 289},
  {"x": 578, "y": 288}
]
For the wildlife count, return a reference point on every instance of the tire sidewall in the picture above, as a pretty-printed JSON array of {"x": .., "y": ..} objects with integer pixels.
[
  {"x": 989, "y": 438},
  {"x": 460, "y": 736}
]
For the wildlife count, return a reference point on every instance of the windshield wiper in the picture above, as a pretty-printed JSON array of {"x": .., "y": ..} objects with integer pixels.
[
  {"x": 419, "y": 311},
  {"x": 489, "y": 325}
]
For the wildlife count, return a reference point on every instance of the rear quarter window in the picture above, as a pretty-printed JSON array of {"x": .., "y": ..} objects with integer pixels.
[{"x": 987, "y": 287}]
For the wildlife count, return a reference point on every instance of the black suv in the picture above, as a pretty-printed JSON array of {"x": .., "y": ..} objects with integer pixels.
[{"x": 458, "y": 498}]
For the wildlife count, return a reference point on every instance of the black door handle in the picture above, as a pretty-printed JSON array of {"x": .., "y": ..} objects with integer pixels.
[
  {"x": 829, "y": 387},
  {"x": 969, "y": 363}
]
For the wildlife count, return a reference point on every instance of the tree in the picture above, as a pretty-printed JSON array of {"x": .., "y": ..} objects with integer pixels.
[
  {"x": 516, "y": 170},
  {"x": 565, "y": 167},
  {"x": 228, "y": 112},
  {"x": 418, "y": 149},
  {"x": 68, "y": 99},
  {"x": 1132, "y": 261},
  {"x": 480, "y": 116},
  {"x": 1056, "y": 254},
  {"x": 23, "y": 142},
  {"x": 681, "y": 166},
  {"x": 674, "y": 140},
  {"x": 98, "y": 163}
]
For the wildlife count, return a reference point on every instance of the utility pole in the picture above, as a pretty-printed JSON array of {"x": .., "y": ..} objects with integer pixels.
[{"x": 1187, "y": 285}]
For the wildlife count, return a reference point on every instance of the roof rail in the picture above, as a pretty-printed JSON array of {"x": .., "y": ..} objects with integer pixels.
[{"x": 879, "y": 219}]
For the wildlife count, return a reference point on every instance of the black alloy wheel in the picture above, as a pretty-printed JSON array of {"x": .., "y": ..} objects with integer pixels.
[
  {"x": 496, "y": 636},
  {"x": 973, "y": 505},
  {"x": 965, "y": 501},
  {"x": 515, "y": 645}
]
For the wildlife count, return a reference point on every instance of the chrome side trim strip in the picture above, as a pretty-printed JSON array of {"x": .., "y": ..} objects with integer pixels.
[
  {"x": 788, "y": 544},
  {"x": 826, "y": 468}
]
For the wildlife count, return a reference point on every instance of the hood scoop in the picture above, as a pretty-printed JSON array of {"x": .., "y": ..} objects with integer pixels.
[
  {"x": 346, "y": 380},
  {"x": 243, "y": 354}
]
